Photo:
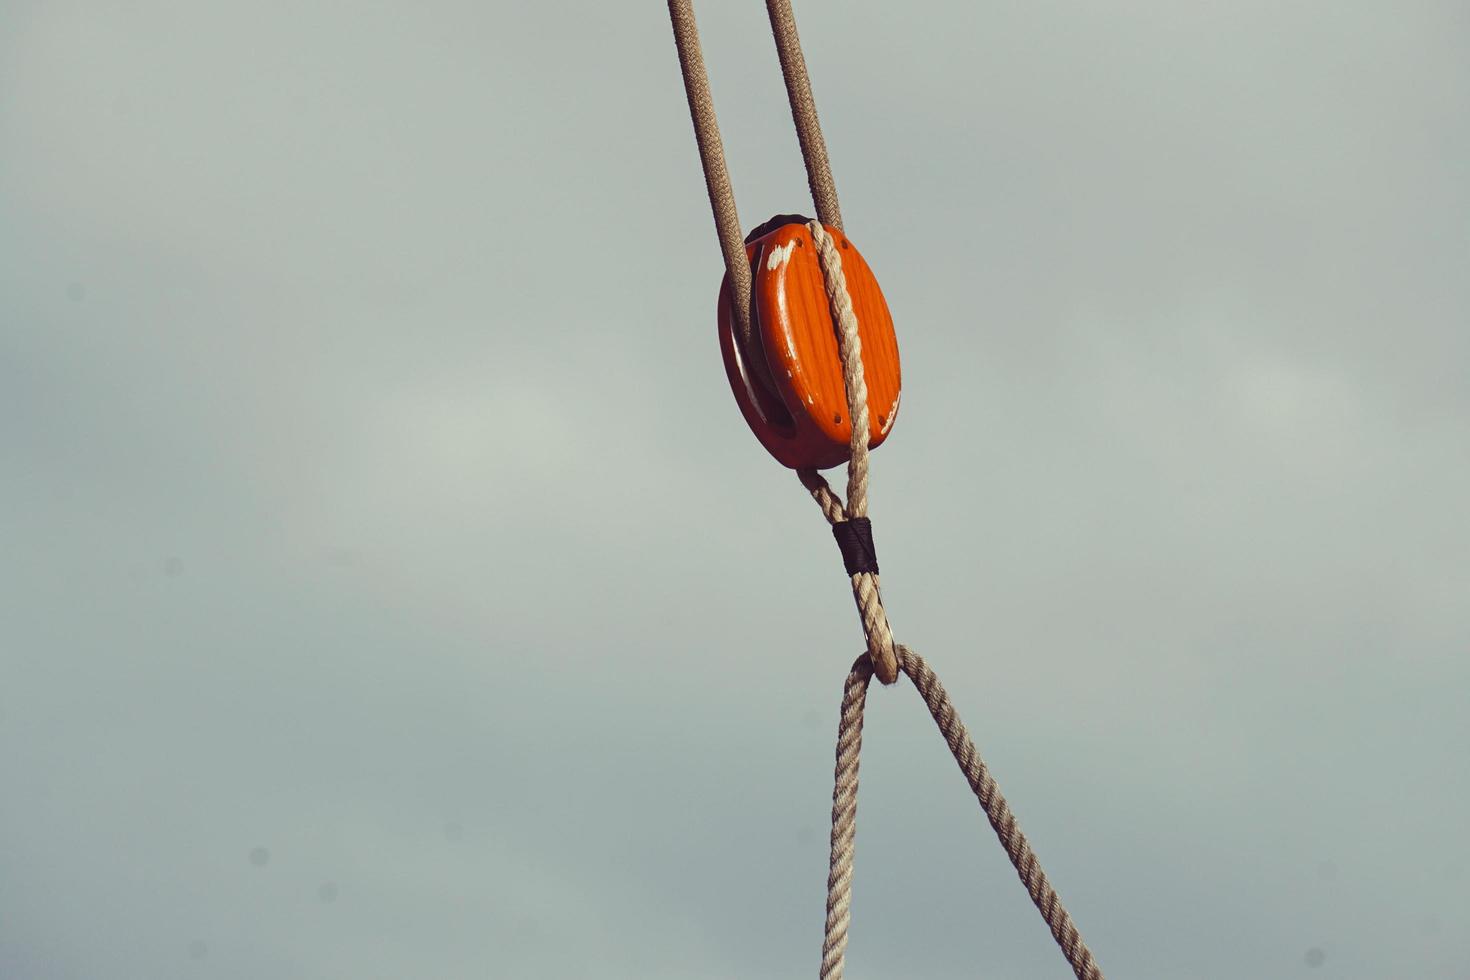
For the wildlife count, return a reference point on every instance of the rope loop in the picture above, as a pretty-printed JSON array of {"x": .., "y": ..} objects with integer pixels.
[{"x": 982, "y": 783}]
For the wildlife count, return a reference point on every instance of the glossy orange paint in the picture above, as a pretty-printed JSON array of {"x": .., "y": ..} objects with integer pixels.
[{"x": 798, "y": 407}]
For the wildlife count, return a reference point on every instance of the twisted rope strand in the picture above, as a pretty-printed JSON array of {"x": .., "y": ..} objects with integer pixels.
[
  {"x": 850, "y": 351},
  {"x": 865, "y": 591},
  {"x": 830, "y": 503},
  {"x": 884, "y": 657},
  {"x": 844, "y": 818},
  {"x": 998, "y": 812},
  {"x": 987, "y": 792}
]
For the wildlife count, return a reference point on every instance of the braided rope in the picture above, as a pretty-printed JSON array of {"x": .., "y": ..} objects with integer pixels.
[
  {"x": 804, "y": 112},
  {"x": 712, "y": 162},
  {"x": 883, "y": 657},
  {"x": 982, "y": 783}
]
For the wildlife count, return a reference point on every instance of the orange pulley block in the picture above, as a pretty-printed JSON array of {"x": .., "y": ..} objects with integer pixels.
[{"x": 788, "y": 379}]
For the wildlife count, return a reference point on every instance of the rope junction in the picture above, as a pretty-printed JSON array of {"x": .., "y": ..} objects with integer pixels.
[
  {"x": 982, "y": 783},
  {"x": 849, "y": 520}
]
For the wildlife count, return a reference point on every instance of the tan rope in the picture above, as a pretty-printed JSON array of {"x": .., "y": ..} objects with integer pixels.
[
  {"x": 883, "y": 656},
  {"x": 712, "y": 159},
  {"x": 804, "y": 112},
  {"x": 865, "y": 591},
  {"x": 997, "y": 811},
  {"x": 865, "y": 586}
]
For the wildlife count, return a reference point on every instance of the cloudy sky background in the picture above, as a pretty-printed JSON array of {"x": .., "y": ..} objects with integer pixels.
[{"x": 391, "y": 588}]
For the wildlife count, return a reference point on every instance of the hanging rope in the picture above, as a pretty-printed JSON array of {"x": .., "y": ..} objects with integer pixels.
[
  {"x": 712, "y": 159},
  {"x": 997, "y": 811},
  {"x": 804, "y": 112},
  {"x": 882, "y": 651},
  {"x": 852, "y": 519},
  {"x": 850, "y": 523}
]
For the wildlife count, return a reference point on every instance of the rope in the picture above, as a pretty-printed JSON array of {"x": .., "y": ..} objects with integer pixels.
[
  {"x": 997, "y": 811},
  {"x": 804, "y": 112},
  {"x": 883, "y": 657},
  {"x": 865, "y": 586},
  {"x": 850, "y": 349},
  {"x": 712, "y": 160}
]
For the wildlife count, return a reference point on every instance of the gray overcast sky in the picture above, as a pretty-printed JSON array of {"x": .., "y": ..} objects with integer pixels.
[{"x": 390, "y": 587}]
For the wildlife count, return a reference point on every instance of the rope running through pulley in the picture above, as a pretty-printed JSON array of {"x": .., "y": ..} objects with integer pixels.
[{"x": 796, "y": 292}]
